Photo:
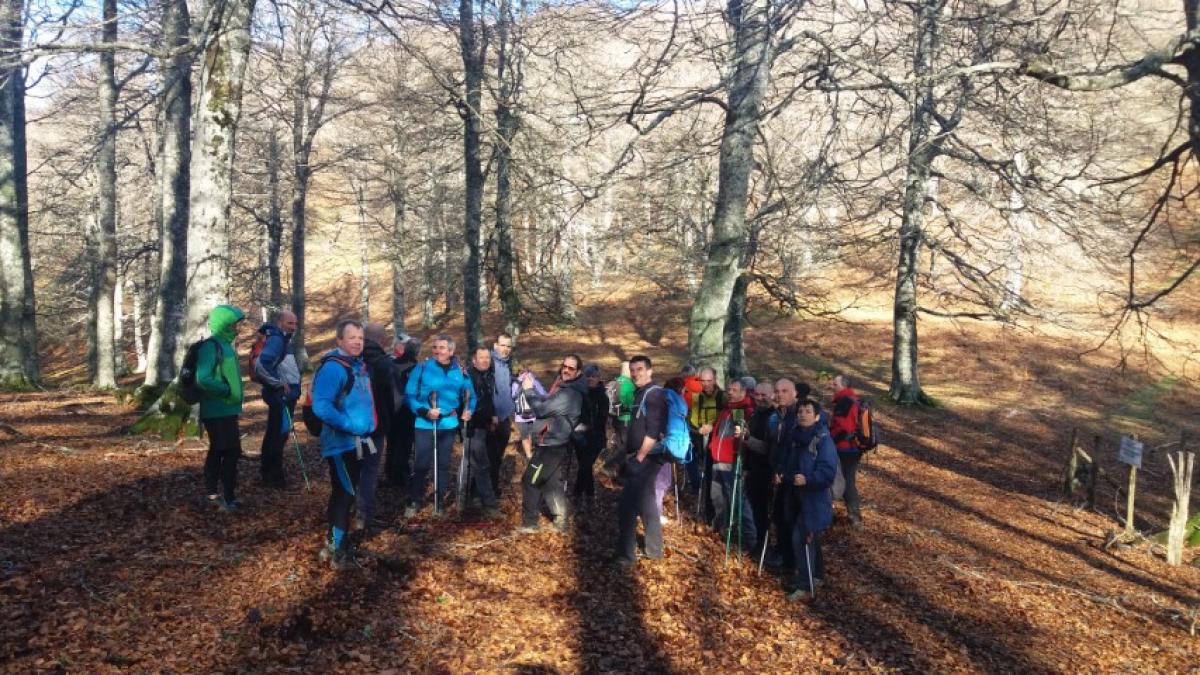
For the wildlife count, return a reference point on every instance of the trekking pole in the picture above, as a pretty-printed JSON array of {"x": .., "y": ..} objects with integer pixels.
[
  {"x": 700, "y": 489},
  {"x": 464, "y": 469},
  {"x": 732, "y": 505},
  {"x": 675, "y": 482},
  {"x": 812, "y": 588},
  {"x": 437, "y": 503},
  {"x": 762, "y": 557},
  {"x": 296, "y": 444}
]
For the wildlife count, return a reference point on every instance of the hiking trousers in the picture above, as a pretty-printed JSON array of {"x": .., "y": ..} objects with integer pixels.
[
  {"x": 343, "y": 478},
  {"x": 849, "y": 462},
  {"x": 368, "y": 477},
  {"x": 637, "y": 501},
  {"x": 224, "y": 450},
  {"x": 543, "y": 480},
  {"x": 497, "y": 444},
  {"x": 423, "y": 459},
  {"x": 275, "y": 440}
]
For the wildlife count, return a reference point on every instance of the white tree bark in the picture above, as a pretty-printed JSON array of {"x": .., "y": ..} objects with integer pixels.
[
  {"x": 218, "y": 109},
  {"x": 1181, "y": 470},
  {"x": 106, "y": 217}
]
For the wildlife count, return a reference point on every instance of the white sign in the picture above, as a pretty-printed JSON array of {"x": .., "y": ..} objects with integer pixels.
[{"x": 1131, "y": 452}]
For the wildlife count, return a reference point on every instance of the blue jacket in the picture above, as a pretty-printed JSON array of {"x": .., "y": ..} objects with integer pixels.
[
  {"x": 503, "y": 400},
  {"x": 275, "y": 348},
  {"x": 810, "y": 451},
  {"x": 345, "y": 419},
  {"x": 450, "y": 383}
]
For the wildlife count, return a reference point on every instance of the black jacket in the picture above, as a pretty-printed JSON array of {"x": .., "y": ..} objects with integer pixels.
[
  {"x": 484, "y": 382},
  {"x": 650, "y": 420},
  {"x": 383, "y": 374},
  {"x": 558, "y": 413},
  {"x": 595, "y": 416}
]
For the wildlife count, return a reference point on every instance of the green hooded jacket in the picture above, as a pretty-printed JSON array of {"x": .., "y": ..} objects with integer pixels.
[{"x": 220, "y": 382}]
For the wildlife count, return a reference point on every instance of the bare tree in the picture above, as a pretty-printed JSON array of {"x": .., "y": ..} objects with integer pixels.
[
  {"x": 105, "y": 375},
  {"x": 18, "y": 332}
]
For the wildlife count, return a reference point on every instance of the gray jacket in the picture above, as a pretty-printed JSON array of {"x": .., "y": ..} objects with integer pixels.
[
  {"x": 503, "y": 399},
  {"x": 558, "y": 413}
]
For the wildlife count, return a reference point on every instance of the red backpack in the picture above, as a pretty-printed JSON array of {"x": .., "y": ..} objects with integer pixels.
[{"x": 252, "y": 357}]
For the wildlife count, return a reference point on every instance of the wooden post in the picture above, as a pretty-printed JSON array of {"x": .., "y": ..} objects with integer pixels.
[
  {"x": 1130, "y": 533},
  {"x": 1072, "y": 464},
  {"x": 1093, "y": 472},
  {"x": 1181, "y": 470}
]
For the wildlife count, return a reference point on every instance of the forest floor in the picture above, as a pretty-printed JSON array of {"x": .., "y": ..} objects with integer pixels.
[{"x": 969, "y": 561}]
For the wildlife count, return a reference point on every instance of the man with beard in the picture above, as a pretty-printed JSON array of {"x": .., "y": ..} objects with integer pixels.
[{"x": 557, "y": 414}]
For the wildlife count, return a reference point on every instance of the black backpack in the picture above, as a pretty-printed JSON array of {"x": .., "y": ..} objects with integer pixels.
[
  {"x": 188, "y": 388},
  {"x": 313, "y": 423}
]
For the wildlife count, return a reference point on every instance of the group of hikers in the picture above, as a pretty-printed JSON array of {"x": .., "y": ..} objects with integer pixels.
[{"x": 756, "y": 456}]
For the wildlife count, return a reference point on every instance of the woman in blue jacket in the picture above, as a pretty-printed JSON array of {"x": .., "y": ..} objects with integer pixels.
[
  {"x": 807, "y": 467},
  {"x": 341, "y": 398},
  {"x": 438, "y": 392}
]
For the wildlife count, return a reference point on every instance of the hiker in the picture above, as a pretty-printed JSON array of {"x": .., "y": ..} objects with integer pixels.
[
  {"x": 646, "y": 427},
  {"x": 219, "y": 379},
  {"x": 557, "y": 414},
  {"x": 591, "y": 441},
  {"x": 382, "y": 371},
  {"x": 755, "y": 460},
  {"x": 502, "y": 401},
  {"x": 806, "y": 470},
  {"x": 843, "y": 427},
  {"x": 341, "y": 398},
  {"x": 705, "y": 405},
  {"x": 620, "y": 407},
  {"x": 724, "y": 446},
  {"x": 523, "y": 416},
  {"x": 482, "y": 423},
  {"x": 664, "y": 479},
  {"x": 438, "y": 392},
  {"x": 405, "y": 349},
  {"x": 276, "y": 369},
  {"x": 779, "y": 426}
]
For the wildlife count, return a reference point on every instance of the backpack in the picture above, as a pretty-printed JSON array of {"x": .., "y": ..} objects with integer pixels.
[
  {"x": 188, "y": 388},
  {"x": 677, "y": 442},
  {"x": 865, "y": 434},
  {"x": 863, "y": 422},
  {"x": 311, "y": 421},
  {"x": 252, "y": 359},
  {"x": 400, "y": 373},
  {"x": 613, "y": 391}
]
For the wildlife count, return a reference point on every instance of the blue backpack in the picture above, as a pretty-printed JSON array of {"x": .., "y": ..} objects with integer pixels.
[{"x": 677, "y": 442}]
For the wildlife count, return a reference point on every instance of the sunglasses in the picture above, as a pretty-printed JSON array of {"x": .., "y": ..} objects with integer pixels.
[{"x": 566, "y": 367}]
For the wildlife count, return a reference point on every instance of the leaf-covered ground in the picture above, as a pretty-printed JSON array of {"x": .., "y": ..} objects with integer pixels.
[{"x": 109, "y": 560}]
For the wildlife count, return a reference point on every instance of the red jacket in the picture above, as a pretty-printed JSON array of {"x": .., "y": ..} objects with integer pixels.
[
  {"x": 843, "y": 423},
  {"x": 721, "y": 443}
]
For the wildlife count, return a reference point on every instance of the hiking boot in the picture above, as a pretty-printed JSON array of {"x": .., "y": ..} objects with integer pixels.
[
  {"x": 621, "y": 562},
  {"x": 326, "y": 553},
  {"x": 799, "y": 595},
  {"x": 410, "y": 511},
  {"x": 527, "y": 529},
  {"x": 342, "y": 560},
  {"x": 492, "y": 513},
  {"x": 359, "y": 524},
  {"x": 856, "y": 521},
  {"x": 231, "y": 506},
  {"x": 562, "y": 525}
]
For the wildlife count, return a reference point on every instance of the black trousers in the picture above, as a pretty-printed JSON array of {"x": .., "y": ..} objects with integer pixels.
[
  {"x": 224, "y": 450},
  {"x": 849, "y": 461},
  {"x": 479, "y": 466},
  {"x": 587, "y": 451},
  {"x": 343, "y": 479},
  {"x": 758, "y": 490},
  {"x": 543, "y": 480},
  {"x": 423, "y": 461},
  {"x": 399, "y": 447},
  {"x": 805, "y": 545},
  {"x": 637, "y": 500},
  {"x": 497, "y": 444},
  {"x": 275, "y": 440}
]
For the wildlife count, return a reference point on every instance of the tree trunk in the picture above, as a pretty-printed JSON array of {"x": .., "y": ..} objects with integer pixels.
[
  {"x": 400, "y": 245},
  {"x": 174, "y": 180},
  {"x": 473, "y": 63},
  {"x": 507, "y": 126},
  {"x": 364, "y": 254},
  {"x": 274, "y": 221},
  {"x": 118, "y": 301},
  {"x": 752, "y": 58},
  {"x": 906, "y": 380},
  {"x": 218, "y": 109},
  {"x": 139, "y": 325},
  {"x": 1020, "y": 225},
  {"x": 735, "y": 325},
  {"x": 18, "y": 333},
  {"x": 1182, "y": 464},
  {"x": 106, "y": 231}
]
